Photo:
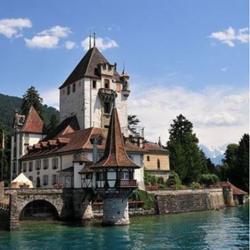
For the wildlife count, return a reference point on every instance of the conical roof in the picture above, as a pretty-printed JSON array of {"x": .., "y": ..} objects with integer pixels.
[
  {"x": 33, "y": 123},
  {"x": 115, "y": 154},
  {"x": 87, "y": 66}
]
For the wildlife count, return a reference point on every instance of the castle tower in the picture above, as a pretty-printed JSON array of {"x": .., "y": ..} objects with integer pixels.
[
  {"x": 28, "y": 130},
  {"x": 113, "y": 176},
  {"x": 89, "y": 90}
]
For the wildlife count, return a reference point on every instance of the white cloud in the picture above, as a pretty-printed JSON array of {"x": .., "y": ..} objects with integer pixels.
[
  {"x": 230, "y": 36},
  {"x": 48, "y": 39},
  {"x": 101, "y": 43},
  {"x": 13, "y": 27},
  {"x": 47, "y": 42},
  {"x": 70, "y": 45},
  {"x": 57, "y": 31},
  {"x": 224, "y": 69},
  {"x": 51, "y": 97},
  {"x": 218, "y": 115}
]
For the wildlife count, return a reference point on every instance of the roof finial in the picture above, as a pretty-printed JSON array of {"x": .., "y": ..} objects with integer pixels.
[
  {"x": 94, "y": 38},
  {"x": 123, "y": 67},
  {"x": 159, "y": 142}
]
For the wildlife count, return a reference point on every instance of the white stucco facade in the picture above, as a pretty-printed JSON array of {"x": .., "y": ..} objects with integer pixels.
[
  {"x": 82, "y": 99},
  {"x": 19, "y": 143}
]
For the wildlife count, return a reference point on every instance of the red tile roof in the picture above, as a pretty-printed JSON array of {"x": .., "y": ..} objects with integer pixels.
[
  {"x": 81, "y": 159},
  {"x": 77, "y": 141},
  {"x": 150, "y": 146},
  {"x": 236, "y": 191},
  {"x": 33, "y": 123},
  {"x": 115, "y": 154}
]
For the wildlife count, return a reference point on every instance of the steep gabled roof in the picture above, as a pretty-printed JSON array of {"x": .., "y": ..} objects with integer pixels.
[
  {"x": 69, "y": 125},
  {"x": 33, "y": 123},
  {"x": 86, "y": 67},
  {"x": 115, "y": 154}
]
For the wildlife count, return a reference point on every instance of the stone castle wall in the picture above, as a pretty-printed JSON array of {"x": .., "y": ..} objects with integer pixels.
[{"x": 180, "y": 201}]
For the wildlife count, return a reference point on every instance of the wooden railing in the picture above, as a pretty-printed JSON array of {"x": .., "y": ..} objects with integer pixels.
[{"x": 126, "y": 183}]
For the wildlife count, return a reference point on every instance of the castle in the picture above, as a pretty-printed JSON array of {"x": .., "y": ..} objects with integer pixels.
[{"x": 86, "y": 100}]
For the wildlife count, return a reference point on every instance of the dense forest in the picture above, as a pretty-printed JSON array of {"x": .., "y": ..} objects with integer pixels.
[{"x": 8, "y": 105}]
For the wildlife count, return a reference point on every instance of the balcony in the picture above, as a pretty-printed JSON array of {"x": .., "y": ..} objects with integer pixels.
[
  {"x": 126, "y": 184},
  {"x": 106, "y": 94}
]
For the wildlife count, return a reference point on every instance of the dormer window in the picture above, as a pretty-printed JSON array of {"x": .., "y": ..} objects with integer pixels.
[{"x": 106, "y": 84}]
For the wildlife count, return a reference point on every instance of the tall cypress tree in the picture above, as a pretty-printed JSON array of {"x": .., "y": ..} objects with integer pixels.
[{"x": 32, "y": 98}]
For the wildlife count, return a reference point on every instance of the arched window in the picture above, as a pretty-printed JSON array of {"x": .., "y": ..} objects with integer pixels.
[{"x": 158, "y": 164}]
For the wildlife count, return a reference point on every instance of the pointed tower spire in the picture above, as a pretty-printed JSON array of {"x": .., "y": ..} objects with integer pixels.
[
  {"x": 114, "y": 154},
  {"x": 94, "y": 38}
]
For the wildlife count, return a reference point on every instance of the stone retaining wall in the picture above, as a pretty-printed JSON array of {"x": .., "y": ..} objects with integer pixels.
[{"x": 180, "y": 201}]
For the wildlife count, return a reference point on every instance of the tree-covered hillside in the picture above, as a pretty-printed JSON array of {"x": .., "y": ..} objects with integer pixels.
[{"x": 8, "y": 105}]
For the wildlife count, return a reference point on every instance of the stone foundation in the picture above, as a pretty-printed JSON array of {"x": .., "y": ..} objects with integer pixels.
[
  {"x": 115, "y": 212},
  {"x": 180, "y": 201}
]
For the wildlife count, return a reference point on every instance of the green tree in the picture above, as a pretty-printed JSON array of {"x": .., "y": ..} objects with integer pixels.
[
  {"x": 53, "y": 122},
  {"x": 132, "y": 121},
  {"x": 242, "y": 164},
  {"x": 32, "y": 98},
  {"x": 185, "y": 156}
]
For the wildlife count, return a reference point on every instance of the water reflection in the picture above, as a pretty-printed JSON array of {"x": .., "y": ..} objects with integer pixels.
[{"x": 215, "y": 230}]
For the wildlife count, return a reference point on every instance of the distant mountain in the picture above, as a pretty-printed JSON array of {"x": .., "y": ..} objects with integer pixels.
[
  {"x": 8, "y": 105},
  {"x": 216, "y": 154}
]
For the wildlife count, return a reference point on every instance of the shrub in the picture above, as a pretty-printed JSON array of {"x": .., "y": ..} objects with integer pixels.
[
  {"x": 173, "y": 180},
  {"x": 195, "y": 185},
  {"x": 209, "y": 179}
]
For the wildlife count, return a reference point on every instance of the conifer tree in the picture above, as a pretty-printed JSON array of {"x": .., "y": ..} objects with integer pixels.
[
  {"x": 185, "y": 156},
  {"x": 32, "y": 98},
  {"x": 242, "y": 164}
]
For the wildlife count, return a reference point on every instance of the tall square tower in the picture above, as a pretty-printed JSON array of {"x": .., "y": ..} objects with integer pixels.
[{"x": 91, "y": 89}]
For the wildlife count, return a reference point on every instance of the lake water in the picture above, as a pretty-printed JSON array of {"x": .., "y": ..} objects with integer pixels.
[{"x": 227, "y": 229}]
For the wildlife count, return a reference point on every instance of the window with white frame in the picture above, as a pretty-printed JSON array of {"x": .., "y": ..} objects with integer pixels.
[
  {"x": 45, "y": 180},
  {"x": 54, "y": 179},
  {"x": 55, "y": 163},
  {"x": 45, "y": 163},
  {"x": 30, "y": 166},
  {"x": 38, "y": 164},
  {"x": 24, "y": 167}
]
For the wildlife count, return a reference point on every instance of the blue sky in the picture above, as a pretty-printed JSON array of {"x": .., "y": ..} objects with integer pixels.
[{"x": 188, "y": 57}]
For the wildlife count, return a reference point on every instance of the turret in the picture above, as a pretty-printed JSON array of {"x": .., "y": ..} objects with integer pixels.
[
  {"x": 113, "y": 176},
  {"x": 125, "y": 82}
]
